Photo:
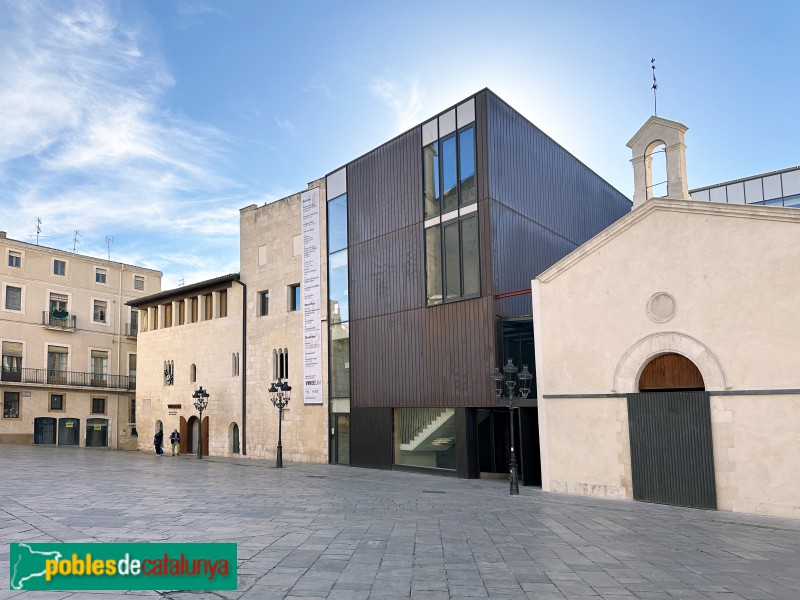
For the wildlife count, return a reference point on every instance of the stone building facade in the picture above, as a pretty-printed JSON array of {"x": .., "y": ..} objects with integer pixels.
[
  {"x": 191, "y": 337},
  {"x": 665, "y": 351},
  {"x": 234, "y": 335},
  {"x": 69, "y": 346}
]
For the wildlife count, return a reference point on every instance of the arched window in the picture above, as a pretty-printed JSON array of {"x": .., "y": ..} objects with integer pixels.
[
  {"x": 235, "y": 364},
  {"x": 192, "y": 373},
  {"x": 286, "y": 363},
  {"x": 274, "y": 364},
  {"x": 282, "y": 365}
]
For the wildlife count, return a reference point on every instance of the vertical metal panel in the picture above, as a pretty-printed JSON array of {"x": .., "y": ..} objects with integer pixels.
[
  {"x": 672, "y": 458},
  {"x": 550, "y": 201},
  {"x": 371, "y": 438},
  {"x": 438, "y": 356},
  {"x": 467, "y": 464},
  {"x": 384, "y": 188}
]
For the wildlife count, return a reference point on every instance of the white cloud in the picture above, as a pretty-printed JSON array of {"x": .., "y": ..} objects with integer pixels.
[
  {"x": 85, "y": 140},
  {"x": 286, "y": 125},
  {"x": 404, "y": 98}
]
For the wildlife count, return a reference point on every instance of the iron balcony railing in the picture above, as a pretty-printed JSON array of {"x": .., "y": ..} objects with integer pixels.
[
  {"x": 131, "y": 329},
  {"x": 58, "y": 320},
  {"x": 70, "y": 379}
]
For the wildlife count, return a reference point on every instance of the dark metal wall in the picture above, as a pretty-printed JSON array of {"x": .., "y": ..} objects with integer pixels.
[
  {"x": 371, "y": 438},
  {"x": 438, "y": 356},
  {"x": 545, "y": 202},
  {"x": 404, "y": 353},
  {"x": 672, "y": 458}
]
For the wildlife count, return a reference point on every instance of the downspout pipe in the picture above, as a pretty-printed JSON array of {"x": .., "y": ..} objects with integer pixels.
[{"x": 243, "y": 366}]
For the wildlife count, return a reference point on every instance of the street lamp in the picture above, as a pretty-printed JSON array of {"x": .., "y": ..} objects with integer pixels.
[
  {"x": 200, "y": 403},
  {"x": 279, "y": 394},
  {"x": 511, "y": 376}
]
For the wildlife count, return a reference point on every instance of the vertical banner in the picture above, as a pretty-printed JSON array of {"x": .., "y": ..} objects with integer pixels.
[{"x": 311, "y": 290}]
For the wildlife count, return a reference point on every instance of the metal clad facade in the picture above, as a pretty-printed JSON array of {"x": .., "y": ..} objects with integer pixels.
[
  {"x": 372, "y": 446},
  {"x": 404, "y": 353},
  {"x": 672, "y": 459},
  {"x": 545, "y": 201}
]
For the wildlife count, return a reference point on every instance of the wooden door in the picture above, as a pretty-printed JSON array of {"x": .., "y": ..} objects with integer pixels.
[
  {"x": 184, "y": 439},
  {"x": 204, "y": 435}
]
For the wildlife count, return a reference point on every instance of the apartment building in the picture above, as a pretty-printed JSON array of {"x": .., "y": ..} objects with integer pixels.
[{"x": 68, "y": 346}]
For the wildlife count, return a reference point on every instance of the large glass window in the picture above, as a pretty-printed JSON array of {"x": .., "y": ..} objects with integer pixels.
[
  {"x": 337, "y": 287},
  {"x": 340, "y": 361},
  {"x": 425, "y": 437},
  {"x": 466, "y": 165},
  {"x": 430, "y": 168},
  {"x": 452, "y": 260},
  {"x": 449, "y": 175},
  {"x": 337, "y": 223},
  {"x": 470, "y": 261},
  {"x": 295, "y": 303}
]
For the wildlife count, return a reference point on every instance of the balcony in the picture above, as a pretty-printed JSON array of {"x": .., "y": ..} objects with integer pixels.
[
  {"x": 131, "y": 329},
  {"x": 70, "y": 379},
  {"x": 58, "y": 319}
]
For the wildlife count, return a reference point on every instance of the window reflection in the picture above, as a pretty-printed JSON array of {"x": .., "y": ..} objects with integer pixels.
[
  {"x": 339, "y": 363},
  {"x": 466, "y": 165},
  {"x": 337, "y": 223},
  {"x": 338, "y": 307},
  {"x": 430, "y": 167},
  {"x": 449, "y": 175}
]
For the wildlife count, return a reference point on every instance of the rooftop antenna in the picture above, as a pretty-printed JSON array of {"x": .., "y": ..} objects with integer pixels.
[
  {"x": 180, "y": 282},
  {"x": 75, "y": 241},
  {"x": 109, "y": 241},
  {"x": 38, "y": 233},
  {"x": 654, "y": 87}
]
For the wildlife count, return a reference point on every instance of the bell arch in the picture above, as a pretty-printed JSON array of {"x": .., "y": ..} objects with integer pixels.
[{"x": 640, "y": 354}]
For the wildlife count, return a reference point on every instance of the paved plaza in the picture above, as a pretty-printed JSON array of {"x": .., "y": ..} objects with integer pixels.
[{"x": 320, "y": 531}]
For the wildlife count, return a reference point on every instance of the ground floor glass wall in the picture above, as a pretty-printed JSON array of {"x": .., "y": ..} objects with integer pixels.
[{"x": 425, "y": 437}]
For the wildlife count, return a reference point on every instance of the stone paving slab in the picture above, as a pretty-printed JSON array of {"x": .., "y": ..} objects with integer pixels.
[{"x": 324, "y": 531}]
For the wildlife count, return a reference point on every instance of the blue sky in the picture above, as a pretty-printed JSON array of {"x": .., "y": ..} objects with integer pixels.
[{"x": 153, "y": 122}]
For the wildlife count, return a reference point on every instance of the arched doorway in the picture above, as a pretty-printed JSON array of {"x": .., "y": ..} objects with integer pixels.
[
  {"x": 195, "y": 433},
  {"x": 671, "y": 372},
  {"x": 159, "y": 426},
  {"x": 234, "y": 438},
  {"x": 192, "y": 434},
  {"x": 669, "y": 423}
]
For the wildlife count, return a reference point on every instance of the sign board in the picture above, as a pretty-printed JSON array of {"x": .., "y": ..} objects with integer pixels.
[
  {"x": 173, "y": 406},
  {"x": 69, "y": 425},
  {"x": 98, "y": 428},
  {"x": 311, "y": 290}
]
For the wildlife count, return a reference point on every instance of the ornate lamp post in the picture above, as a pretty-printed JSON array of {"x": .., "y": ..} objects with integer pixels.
[
  {"x": 280, "y": 393},
  {"x": 200, "y": 403},
  {"x": 511, "y": 376}
]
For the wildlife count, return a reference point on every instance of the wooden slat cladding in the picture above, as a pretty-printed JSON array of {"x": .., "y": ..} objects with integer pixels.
[
  {"x": 438, "y": 356},
  {"x": 671, "y": 371},
  {"x": 538, "y": 180},
  {"x": 384, "y": 189},
  {"x": 371, "y": 444},
  {"x": 387, "y": 274}
]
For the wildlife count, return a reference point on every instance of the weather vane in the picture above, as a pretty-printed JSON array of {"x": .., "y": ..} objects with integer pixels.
[{"x": 654, "y": 87}]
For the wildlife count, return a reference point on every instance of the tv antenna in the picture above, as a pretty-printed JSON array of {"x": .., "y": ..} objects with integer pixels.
[
  {"x": 75, "y": 240},
  {"x": 181, "y": 282},
  {"x": 109, "y": 241},
  {"x": 38, "y": 233},
  {"x": 654, "y": 87}
]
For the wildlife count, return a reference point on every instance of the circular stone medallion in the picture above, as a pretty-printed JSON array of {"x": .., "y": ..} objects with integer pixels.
[{"x": 661, "y": 307}]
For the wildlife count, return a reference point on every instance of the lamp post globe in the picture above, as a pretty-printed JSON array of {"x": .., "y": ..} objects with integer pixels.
[
  {"x": 280, "y": 393},
  {"x": 517, "y": 387},
  {"x": 200, "y": 399}
]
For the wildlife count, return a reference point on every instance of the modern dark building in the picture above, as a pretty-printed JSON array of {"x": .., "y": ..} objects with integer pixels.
[{"x": 433, "y": 239}]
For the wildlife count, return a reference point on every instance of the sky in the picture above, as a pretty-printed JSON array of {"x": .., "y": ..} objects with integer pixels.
[{"x": 152, "y": 122}]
